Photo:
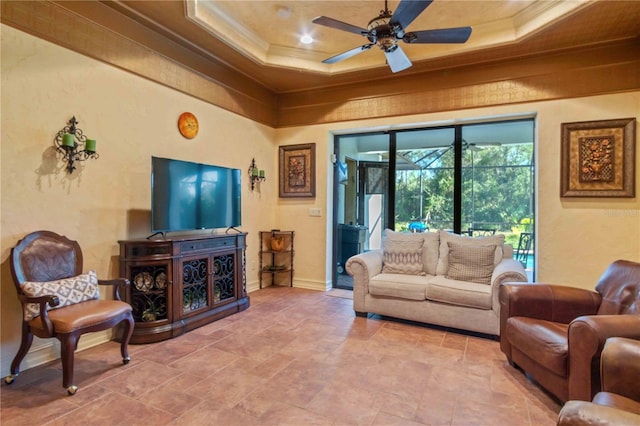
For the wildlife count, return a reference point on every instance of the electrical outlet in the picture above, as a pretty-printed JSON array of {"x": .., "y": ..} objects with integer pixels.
[{"x": 315, "y": 211}]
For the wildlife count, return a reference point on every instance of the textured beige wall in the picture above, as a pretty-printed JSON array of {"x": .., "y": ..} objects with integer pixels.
[
  {"x": 106, "y": 199},
  {"x": 133, "y": 118}
]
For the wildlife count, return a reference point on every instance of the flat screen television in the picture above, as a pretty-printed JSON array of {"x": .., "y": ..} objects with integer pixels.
[{"x": 187, "y": 196}]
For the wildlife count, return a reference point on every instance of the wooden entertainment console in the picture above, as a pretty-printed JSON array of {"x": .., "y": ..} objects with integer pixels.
[{"x": 182, "y": 283}]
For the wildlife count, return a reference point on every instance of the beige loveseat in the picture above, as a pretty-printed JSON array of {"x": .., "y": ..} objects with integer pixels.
[{"x": 435, "y": 277}]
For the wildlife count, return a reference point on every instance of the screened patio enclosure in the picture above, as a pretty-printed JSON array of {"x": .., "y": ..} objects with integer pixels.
[{"x": 471, "y": 179}]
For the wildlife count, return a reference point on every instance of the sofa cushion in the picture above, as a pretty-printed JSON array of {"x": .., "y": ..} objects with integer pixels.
[
  {"x": 471, "y": 263},
  {"x": 402, "y": 286},
  {"x": 430, "y": 247},
  {"x": 446, "y": 237},
  {"x": 402, "y": 256},
  {"x": 462, "y": 293},
  {"x": 68, "y": 290},
  {"x": 544, "y": 341},
  {"x": 430, "y": 251}
]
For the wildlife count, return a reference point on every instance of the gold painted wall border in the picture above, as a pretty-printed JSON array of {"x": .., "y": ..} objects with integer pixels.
[
  {"x": 607, "y": 69},
  {"x": 610, "y": 68},
  {"x": 43, "y": 19}
]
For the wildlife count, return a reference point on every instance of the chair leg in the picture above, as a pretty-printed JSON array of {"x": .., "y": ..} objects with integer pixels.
[
  {"x": 68, "y": 345},
  {"x": 126, "y": 336},
  {"x": 25, "y": 345}
]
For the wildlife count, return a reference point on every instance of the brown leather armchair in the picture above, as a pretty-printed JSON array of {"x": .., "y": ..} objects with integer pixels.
[
  {"x": 619, "y": 402},
  {"x": 45, "y": 261},
  {"x": 556, "y": 333}
]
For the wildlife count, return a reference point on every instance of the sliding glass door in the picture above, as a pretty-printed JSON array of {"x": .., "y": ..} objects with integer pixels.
[
  {"x": 473, "y": 179},
  {"x": 425, "y": 180}
]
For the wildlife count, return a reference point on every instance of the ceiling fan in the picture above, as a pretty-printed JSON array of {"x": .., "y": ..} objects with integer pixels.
[{"x": 386, "y": 29}]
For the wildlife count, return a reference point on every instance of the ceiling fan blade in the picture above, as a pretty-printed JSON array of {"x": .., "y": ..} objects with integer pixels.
[
  {"x": 478, "y": 146},
  {"x": 339, "y": 25},
  {"x": 349, "y": 53},
  {"x": 407, "y": 11},
  {"x": 444, "y": 35},
  {"x": 397, "y": 59}
]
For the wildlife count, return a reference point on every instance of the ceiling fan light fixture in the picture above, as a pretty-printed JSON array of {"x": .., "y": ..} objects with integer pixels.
[
  {"x": 387, "y": 44},
  {"x": 306, "y": 39},
  {"x": 381, "y": 20},
  {"x": 409, "y": 37}
]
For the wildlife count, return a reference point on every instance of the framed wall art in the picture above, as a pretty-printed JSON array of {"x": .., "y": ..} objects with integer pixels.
[
  {"x": 598, "y": 158},
  {"x": 297, "y": 166}
]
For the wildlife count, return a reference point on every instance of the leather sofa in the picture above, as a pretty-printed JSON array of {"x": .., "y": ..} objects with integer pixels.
[
  {"x": 619, "y": 401},
  {"x": 556, "y": 333},
  {"x": 436, "y": 289}
]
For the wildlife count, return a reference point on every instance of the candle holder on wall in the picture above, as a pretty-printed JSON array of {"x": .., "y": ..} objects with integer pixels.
[
  {"x": 73, "y": 145},
  {"x": 255, "y": 175}
]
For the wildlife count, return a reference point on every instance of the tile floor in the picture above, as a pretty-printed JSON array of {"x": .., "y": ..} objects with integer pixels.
[{"x": 295, "y": 357}]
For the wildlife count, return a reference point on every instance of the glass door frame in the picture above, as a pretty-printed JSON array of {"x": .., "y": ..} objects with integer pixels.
[{"x": 458, "y": 146}]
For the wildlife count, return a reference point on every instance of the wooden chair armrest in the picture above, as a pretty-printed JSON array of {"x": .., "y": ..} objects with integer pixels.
[
  {"x": 117, "y": 283},
  {"x": 43, "y": 301},
  {"x": 50, "y": 299}
]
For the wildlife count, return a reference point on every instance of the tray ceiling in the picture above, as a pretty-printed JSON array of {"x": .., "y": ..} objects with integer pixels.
[
  {"x": 269, "y": 32},
  {"x": 260, "y": 39}
]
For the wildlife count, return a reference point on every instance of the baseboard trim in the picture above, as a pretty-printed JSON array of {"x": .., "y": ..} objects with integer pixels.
[
  {"x": 49, "y": 350},
  {"x": 253, "y": 286},
  {"x": 297, "y": 283},
  {"x": 312, "y": 285}
]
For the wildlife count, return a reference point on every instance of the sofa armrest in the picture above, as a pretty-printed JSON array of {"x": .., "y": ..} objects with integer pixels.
[
  {"x": 584, "y": 413},
  {"x": 362, "y": 267},
  {"x": 620, "y": 367},
  {"x": 506, "y": 271},
  {"x": 587, "y": 338}
]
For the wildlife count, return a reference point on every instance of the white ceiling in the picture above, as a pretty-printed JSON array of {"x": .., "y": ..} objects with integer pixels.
[{"x": 268, "y": 32}]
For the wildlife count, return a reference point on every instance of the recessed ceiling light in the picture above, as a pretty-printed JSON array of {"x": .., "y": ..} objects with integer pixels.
[
  {"x": 306, "y": 39},
  {"x": 284, "y": 12}
]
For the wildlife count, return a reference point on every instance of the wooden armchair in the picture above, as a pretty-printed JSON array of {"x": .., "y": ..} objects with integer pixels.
[{"x": 59, "y": 301}]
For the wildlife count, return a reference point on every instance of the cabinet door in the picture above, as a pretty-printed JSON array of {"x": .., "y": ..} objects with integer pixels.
[
  {"x": 150, "y": 291},
  {"x": 224, "y": 271},
  {"x": 194, "y": 291}
]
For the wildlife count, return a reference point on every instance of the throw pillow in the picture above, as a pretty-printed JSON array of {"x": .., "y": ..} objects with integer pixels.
[
  {"x": 430, "y": 247},
  {"x": 69, "y": 291},
  {"x": 471, "y": 263},
  {"x": 402, "y": 257},
  {"x": 446, "y": 237}
]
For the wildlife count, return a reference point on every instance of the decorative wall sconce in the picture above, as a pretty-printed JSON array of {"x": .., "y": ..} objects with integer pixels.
[
  {"x": 255, "y": 175},
  {"x": 70, "y": 142}
]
